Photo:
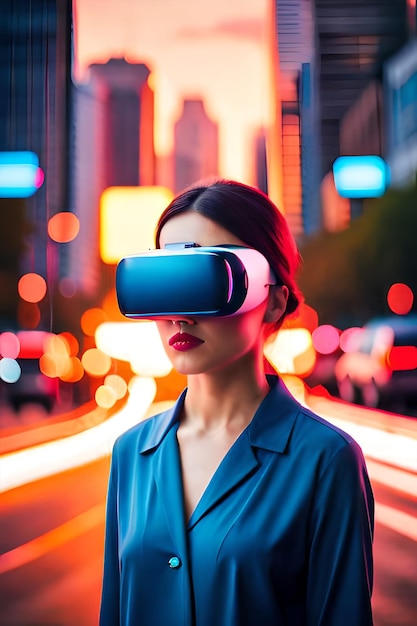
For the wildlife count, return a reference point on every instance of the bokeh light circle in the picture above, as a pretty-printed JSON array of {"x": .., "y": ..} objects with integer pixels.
[
  {"x": 91, "y": 319},
  {"x": 400, "y": 298},
  {"x": 70, "y": 342},
  {"x": 350, "y": 338},
  {"x": 49, "y": 365},
  {"x": 9, "y": 345},
  {"x": 118, "y": 384},
  {"x": 325, "y": 339},
  {"x": 10, "y": 370},
  {"x": 95, "y": 362},
  {"x": 75, "y": 371},
  {"x": 105, "y": 396},
  {"x": 63, "y": 227},
  {"x": 32, "y": 287}
]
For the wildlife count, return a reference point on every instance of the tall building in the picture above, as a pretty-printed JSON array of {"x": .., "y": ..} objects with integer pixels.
[
  {"x": 297, "y": 115},
  {"x": 376, "y": 91},
  {"x": 400, "y": 85},
  {"x": 196, "y": 145},
  {"x": 128, "y": 100},
  {"x": 87, "y": 184},
  {"x": 328, "y": 53},
  {"x": 35, "y": 109},
  {"x": 113, "y": 145},
  {"x": 353, "y": 40},
  {"x": 383, "y": 118}
]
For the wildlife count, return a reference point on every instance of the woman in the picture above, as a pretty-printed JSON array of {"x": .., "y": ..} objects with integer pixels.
[{"x": 237, "y": 507}]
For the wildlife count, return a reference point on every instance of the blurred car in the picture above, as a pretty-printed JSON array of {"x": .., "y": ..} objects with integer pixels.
[
  {"x": 32, "y": 386},
  {"x": 381, "y": 368}
]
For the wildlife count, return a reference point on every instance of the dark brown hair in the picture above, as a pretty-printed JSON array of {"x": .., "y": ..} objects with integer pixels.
[{"x": 252, "y": 217}]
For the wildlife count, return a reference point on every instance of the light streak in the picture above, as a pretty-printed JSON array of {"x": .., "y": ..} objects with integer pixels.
[
  {"x": 38, "y": 547},
  {"x": 398, "y": 521},
  {"x": 385, "y": 443},
  {"x": 394, "y": 478},
  {"x": 47, "y": 459}
]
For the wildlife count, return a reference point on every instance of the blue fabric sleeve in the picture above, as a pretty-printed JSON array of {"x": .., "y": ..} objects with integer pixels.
[
  {"x": 340, "y": 572},
  {"x": 109, "y": 609}
]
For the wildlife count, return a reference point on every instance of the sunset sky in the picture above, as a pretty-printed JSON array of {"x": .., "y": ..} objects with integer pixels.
[{"x": 214, "y": 49}]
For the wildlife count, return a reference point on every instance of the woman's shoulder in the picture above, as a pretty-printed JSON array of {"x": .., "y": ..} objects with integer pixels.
[
  {"x": 308, "y": 425},
  {"x": 148, "y": 433},
  {"x": 316, "y": 424}
]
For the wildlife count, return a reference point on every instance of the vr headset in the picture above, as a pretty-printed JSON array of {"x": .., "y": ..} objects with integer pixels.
[{"x": 188, "y": 280}]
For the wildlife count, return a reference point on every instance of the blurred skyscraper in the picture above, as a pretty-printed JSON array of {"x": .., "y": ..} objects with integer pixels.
[
  {"x": 113, "y": 145},
  {"x": 400, "y": 88},
  {"x": 297, "y": 117},
  {"x": 295, "y": 23},
  {"x": 329, "y": 53},
  {"x": 128, "y": 110},
  {"x": 383, "y": 118},
  {"x": 35, "y": 108},
  {"x": 354, "y": 38},
  {"x": 196, "y": 145}
]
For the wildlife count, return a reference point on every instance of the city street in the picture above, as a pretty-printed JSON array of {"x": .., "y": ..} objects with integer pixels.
[
  {"x": 52, "y": 538},
  {"x": 196, "y": 194}
]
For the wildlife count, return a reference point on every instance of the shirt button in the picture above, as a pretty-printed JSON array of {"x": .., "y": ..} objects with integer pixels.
[{"x": 174, "y": 562}]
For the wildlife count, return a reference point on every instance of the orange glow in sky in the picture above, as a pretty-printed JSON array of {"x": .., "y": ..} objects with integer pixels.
[{"x": 208, "y": 49}]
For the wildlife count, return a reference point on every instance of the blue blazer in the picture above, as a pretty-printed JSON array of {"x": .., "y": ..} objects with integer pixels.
[{"x": 281, "y": 536}]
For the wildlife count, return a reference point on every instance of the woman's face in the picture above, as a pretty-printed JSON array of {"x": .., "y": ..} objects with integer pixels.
[{"x": 209, "y": 344}]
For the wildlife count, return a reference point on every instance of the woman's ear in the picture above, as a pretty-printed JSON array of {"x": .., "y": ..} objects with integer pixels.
[{"x": 277, "y": 303}]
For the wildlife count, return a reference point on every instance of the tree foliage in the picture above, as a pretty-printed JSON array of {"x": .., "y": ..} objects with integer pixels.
[{"x": 346, "y": 275}]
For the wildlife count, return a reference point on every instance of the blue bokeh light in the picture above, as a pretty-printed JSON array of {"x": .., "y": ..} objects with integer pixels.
[
  {"x": 10, "y": 370},
  {"x": 20, "y": 174},
  {"x": 361, "y": 176}
]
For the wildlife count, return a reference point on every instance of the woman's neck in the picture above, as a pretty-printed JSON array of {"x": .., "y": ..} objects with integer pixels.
[{"x": 220, "y": 399}]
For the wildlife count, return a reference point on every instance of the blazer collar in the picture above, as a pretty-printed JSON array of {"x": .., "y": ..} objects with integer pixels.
[
  {"x": 269, "y": 429},
  {"x": 274, "y": 420}
]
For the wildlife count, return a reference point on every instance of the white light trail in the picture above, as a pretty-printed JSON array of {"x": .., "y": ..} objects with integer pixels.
[
  {"x": 40, "y": 461},
  {"x": 380, "y": 443}
]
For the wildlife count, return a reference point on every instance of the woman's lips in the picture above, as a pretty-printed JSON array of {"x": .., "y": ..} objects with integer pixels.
[{"x": 183, "y": 342}]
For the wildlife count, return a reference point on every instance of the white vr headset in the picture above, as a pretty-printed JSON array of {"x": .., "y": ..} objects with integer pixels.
[{"x": 188, "y": 280}]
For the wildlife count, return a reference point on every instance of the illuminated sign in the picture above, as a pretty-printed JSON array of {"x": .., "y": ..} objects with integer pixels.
[
  {"x": 20, "y": 174},
  {"x": 128, "y": 217},
  {"x": 360, "y": 176}
]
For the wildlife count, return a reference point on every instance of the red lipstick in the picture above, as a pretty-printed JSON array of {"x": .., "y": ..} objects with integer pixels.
[{"x": 183, "y": 342}]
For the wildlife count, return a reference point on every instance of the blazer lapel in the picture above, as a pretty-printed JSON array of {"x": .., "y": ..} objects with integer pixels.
[
  {"x": 167, "y": 473},
  {"x": 238, "y": 464},
  {"x": 270, "y": 429}
]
